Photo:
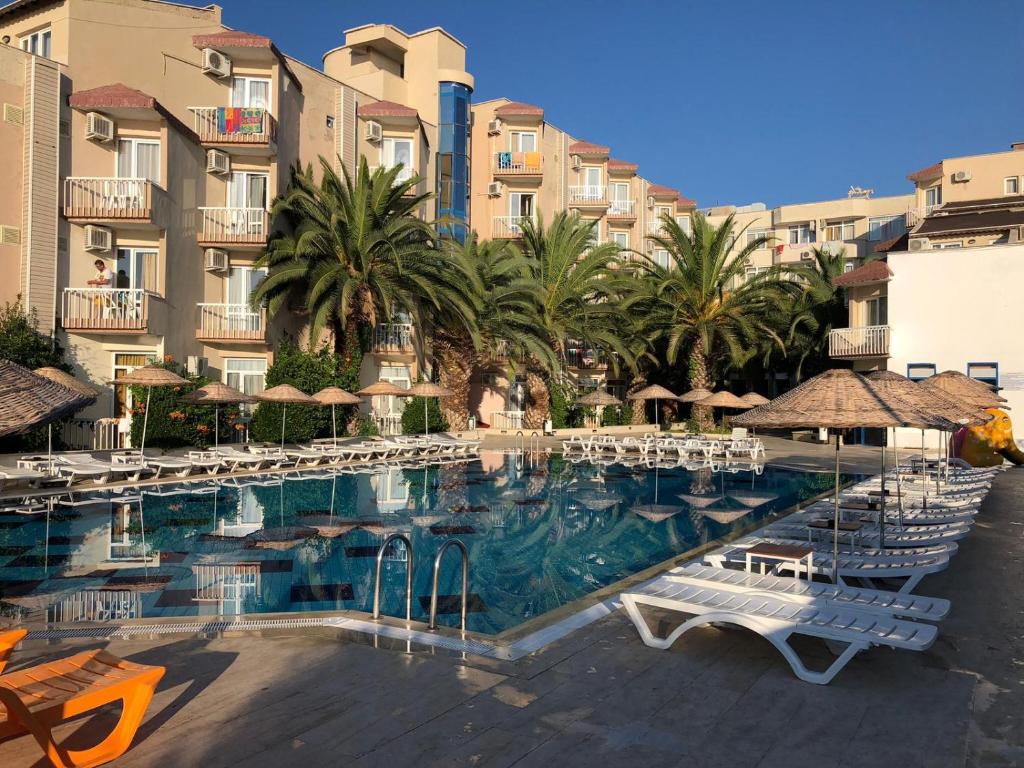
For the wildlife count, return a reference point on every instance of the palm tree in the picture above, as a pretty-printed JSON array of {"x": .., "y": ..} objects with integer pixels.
[
  {"x": 353, "y": 252},
  {"x": 703, "y": 304},
  {"x": 577, "y": 295},
  {"x": 506, "y": 323}
]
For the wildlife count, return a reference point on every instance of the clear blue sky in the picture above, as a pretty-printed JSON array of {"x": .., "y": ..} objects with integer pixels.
[{"x": 731, "y": 102}]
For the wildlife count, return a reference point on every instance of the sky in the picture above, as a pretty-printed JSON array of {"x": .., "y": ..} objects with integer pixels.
[{"x": 729, "y": 102}]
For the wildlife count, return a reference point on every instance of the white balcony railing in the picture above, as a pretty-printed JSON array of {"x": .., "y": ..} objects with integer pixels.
[
  {"x": 507, "y": 419},
  {"x": 866, "y": 341},
  {"x": 518, "y": 163},
  {"x": 624, "y": 209},
  {"x": 231, "y": 322},
  {"x": 509, "y": 226},
  {"x": 105, "y": 309},
  {"x": 233, "y": 226},
  {"x": 588, "y": 195},
  {"x": 101, "y": 197},
  {"x": 234, "y": 125},
  {"x": 392, "y": 337}
]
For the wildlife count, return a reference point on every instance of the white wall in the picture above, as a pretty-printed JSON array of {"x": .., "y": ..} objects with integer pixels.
[{"x": 957, "y": 306}]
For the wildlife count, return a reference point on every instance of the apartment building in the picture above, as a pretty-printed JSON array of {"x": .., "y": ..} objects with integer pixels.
[{"x": 169, "y": 144}]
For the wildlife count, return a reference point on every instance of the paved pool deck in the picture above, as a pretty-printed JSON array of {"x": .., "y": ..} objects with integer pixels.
[{"x": 599, "y": 697}]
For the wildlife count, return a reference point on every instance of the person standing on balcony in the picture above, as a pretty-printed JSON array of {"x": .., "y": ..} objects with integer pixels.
[{"x": 104, "y": 279}]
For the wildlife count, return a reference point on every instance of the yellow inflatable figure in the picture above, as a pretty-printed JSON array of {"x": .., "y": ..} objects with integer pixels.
[{"x": 986, "y": 445}]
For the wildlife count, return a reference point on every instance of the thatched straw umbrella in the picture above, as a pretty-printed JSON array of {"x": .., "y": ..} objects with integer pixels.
[
  {"x": 753, "y": 399},
  {"x": 150, "y": 376},
  {"x": 966, "y": 389},
  {"x": 953, "y": 408},
  {"x": 426, "y": 389},
  {"x": 286, "y": 395},
  {"x": 837, "y": 399},
  {"x": 723, "y": 399},
  {"x": 381, "y": 389},
  {"x": 335, "y": 396},
  {"x": 653, "y": 392},
  {"x": 694, "y": 395},
  {"x": 599, "y": 398},
  {"x": 66, "y": 379},
  {"x": 217, "y": 394},
  {"x": 29, "y": 400}
]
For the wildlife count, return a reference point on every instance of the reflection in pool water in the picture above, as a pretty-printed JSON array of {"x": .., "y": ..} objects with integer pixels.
[{"x": 540, "y": 534}]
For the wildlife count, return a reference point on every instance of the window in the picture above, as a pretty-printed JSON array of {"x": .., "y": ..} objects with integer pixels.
[
  {"x": 684, "y": 223},
  {"x": 592, "y": 180},
  {"x": 876, "y": 311},
  {"x": 137, "y": 269},
  {"x": 660, "y": 258},
  {"x": 247, "y": 374},
  {"x": 949, "y": 244},
  {"x": 522, "y": 141},
  {"x": 932, "y": 199},
  {"x": 241, "y": 282},
  {"x": 801, "y": 233},
  {"x": 987, "y": 373},
  {"x": 620, "y": 202},
  {"x": 886, "y": 227},
  {"x": 37, "y": 42},
  {"x": 839, "y": 230},
  {"x": 394, "y": 152},
  {"x": 849, "y": 266},
  {"x": 520, "y": 204},
  {"x": 621, "y": 239},
  {"x": 138, "y": 159},
  {"x": 757, "y": 234},
  {"x": 399, "y": 376},
  {"x": 123, "y": 365},
  {"x": 750, "y": 272},
  {"x": 920, "y": 371},
  {"x": 247, "y": 189},
  {"x": 252, "y": 92},
  {"x": 1011, "y": 185}
]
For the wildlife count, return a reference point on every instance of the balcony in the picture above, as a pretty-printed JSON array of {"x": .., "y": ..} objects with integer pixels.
[
  {"x": 588, "y": 196},
  {"x": 111, "y": 200},
  {"x": 393, "y": 337},
  {"x": 242, "y": 130},
  {"x": 237, "y": 323},
  {"x": 105, "y": 310},
  {"x": 856, "y": 343},
  {"x": 622, "y": 210},
  {"x": 655, "y": 229},
  {"x": 237, "y": 228},
  {"x": 585, "y": 359},
  {"x": 509, "y": 227},
  {"x": 518, "y": 164}
]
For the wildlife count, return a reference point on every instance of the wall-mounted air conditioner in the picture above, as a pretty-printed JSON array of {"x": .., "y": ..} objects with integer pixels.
[
  {"x": 576, "y": 161},
  {"x": 98, "y": 239},
  {"x": 98, "y": 127},
  {"x": 217, "y": 162},
  {"x": 494, "y": 127},
  {"x": 216, "y": 63},
  {"x": 215, "y": 260},
  {"x": 919, "y": 244},
  {"x": 962, "y": 176},
  {"x": 494, "y": 189},
  {"x": 374, "y": 131}
]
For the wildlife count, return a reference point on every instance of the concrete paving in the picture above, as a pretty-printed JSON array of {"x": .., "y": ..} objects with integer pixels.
[{"x": 717, "y": 698}]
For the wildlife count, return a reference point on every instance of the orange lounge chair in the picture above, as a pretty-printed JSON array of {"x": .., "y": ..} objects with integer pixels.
[{"x": 36, "y": 699}]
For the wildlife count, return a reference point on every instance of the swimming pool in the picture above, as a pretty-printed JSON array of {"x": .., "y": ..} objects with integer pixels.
[{"x": 540, "y": 534}]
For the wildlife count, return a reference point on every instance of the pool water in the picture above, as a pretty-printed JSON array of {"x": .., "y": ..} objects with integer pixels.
[{"x": 540, "y": 534}]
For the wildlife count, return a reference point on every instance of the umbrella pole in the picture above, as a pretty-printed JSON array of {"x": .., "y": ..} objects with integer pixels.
[
  {"x": 924, "y": 467},
  {"x": 334, "y": 430},
  {"x": 284, "y": 413},
  {"x": 835, "y": 522},
  {"x": 216, "y": 428},
  {"x": 145, "y": 424},
  {"x": 899, "y": 480},
  {"x": 881, "y": 504},
  {"x": 49, "y": 449},
  {"x": 426, "y": 421}
]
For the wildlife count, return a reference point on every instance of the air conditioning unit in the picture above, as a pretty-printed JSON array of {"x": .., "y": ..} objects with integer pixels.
[
  {"x": 9, "y": 235},
  {"x": 494, "y": 189},
  {"x": 373, "y": 131},
  {"x": 962, "y": 176},
  {"x": 216, "y": 63},
  {"x": 919, "y": 244},
  {"x": 217, "y": 161},
  {"x": 494, "y": 127},
  {"x": 98, "y": 127},
  {"x": 98, "y": 239},
  {"x": 576, "y": 162},
  {"x": 195, "y": 365},
  {"x": 650, "y": 202},
  {"x": 215, "y": 260}
]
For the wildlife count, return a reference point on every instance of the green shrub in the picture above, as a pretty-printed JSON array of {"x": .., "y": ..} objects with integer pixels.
[
  {"x": 309, "y": 371},
  {"x": 617, "y": 416},
  {"x": 412, "y": 416},
  {"x": 363, "y": 426},
  {"x": 560, "y": 406},
  {"x": 578, "y": 416}
]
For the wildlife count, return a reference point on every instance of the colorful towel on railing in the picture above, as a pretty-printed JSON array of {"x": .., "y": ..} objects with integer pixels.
[
  {"x": 251, "y": 120},
  {"x": 533, "y": 159},
  {"x": 240, "y": 119},
  {"x": 504, "y": 159}
]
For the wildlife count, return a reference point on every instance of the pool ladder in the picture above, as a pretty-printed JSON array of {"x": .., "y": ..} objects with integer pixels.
[{"x": 464, "y": 555}]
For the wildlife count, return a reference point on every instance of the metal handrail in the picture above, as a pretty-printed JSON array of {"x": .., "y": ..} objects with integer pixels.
[
  {"x": 408, "y": 575},
  {"x": 437, "y": 573},
  {"x": 520, "y": 443},
  {"x": 534, "y": 436}
]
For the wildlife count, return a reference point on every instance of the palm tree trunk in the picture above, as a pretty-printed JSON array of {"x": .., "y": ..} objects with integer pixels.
[
  {"x": 456, "y": 362},
  {"x": 699, "y": 379},
  {"x": 538, "y": 400},
  {"x": 639, "y": 406}
]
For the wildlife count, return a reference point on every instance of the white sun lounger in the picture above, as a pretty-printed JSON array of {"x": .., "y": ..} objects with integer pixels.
[
  {"x": 911, "y": 515},
  {"x": 175, "y": 466},
  {"x": 236, "y": 459},
  {"x": 796, "y": 527},
  {"x": 776, "y": 618}
]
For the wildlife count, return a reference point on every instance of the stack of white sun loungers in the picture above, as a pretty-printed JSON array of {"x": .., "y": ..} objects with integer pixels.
[
  {"x": 683, "y": 447},
  {"x": 922, "y": 527}
]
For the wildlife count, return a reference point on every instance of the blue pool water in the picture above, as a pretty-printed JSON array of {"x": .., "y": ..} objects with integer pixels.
[{"x": 540, "y": 534}]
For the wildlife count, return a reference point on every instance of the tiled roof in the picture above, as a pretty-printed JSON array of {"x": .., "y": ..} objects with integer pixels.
[
  {"x": 685, "y": 202},
  {"x": 931, "y": 172},
  {"x": 621, "y": 165},
  {"x": 386, "y": 109},
  {"x": 872, "y": 272},
  {"x": 658, "y": 190},
  {"x": 519, "y": 108},
  {"x": 586, "y": 148},
  {"x": 957, "y": 223},
  {"x": 232, "y": 39},
  {"x": 895, "y": 244},
  {"x": 117, "y": 95}
]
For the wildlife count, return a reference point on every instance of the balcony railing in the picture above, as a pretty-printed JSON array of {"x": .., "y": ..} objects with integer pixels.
[
  {"x": 105, "y": 309},
  {"x": 622, "y": 209},
  {"x": 99, "y": 198},
  {"x": 509, "y": 226},
  {"x": 393, "y": 337},
  {"x": 518, "y": 164},
  {"x": 585, "y": 358},
  {"x": 588, "y": 195},
  {"x": 507, "y": 419},
  {"x": 231, "y": 322},
  {"x": 867, "y": 341},
  {"x": 655, "y": 229},
  {"x": 234, "y": 125},
  {"x": 233, "y": 226}
]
